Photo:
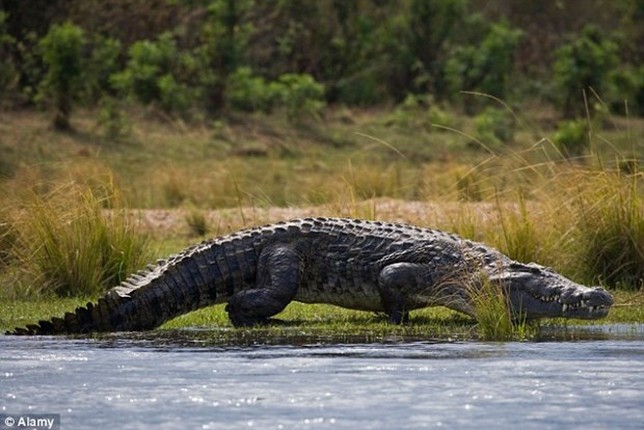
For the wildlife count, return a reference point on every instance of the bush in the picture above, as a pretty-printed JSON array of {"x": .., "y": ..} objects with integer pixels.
[
  {"x": 572, "y": 138},
  {"x": 173, "y": 95},
  {"x": 112, "y": 119},
  {"x": 8, "y": 71},
  {"x": 151, "y": 75},
  {"x": 248, "y": 92},
  {"x": 484, "y": 66},
  {"x": 300, "y": 94},
  {"x": 494, "y": 126},
  {"x": 409, "y": 112},
  {"x": 627, "y": 94},
  {"x": 98, "y": 66},
  {"x": 582, "y": 67},
  {"x": 62, "y": 54},
  {"x": 440, "y": 117},
  {"x": 430, "y": 26}
]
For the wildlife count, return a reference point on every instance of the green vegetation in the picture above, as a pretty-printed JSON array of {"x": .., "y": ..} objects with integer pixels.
[
  {"x": 189, "y": 58},
  {"x": 305, "y": 323},
  {"x": 513, "y": 123},
  {"x": 582, "y": 67},
  {"x": 66, "y": 244},
  {"x": 584, "y": 219},
  {"x": 61, "y": 49},
  {"x": 493, "y": 316}
]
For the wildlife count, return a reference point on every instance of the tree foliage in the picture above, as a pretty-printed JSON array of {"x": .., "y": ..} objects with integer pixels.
[
  {"x": 581, "y": 69},
  {"x": 484, "y": 65},
  {"x": 180, "y": 56},
  {"x": 8, "y": 70},
  {"x": 62, "y": 54}
]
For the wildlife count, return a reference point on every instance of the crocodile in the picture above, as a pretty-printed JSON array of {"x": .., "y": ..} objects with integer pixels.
[{"x": 356, "y": 264}]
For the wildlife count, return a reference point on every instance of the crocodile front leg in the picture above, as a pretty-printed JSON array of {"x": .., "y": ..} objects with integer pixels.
[
  {"x": 278, "y": 278},
  {"x": 397, "y": 283}
]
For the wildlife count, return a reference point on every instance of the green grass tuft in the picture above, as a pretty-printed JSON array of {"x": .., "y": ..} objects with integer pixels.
[{"x": 495, "y": 319}]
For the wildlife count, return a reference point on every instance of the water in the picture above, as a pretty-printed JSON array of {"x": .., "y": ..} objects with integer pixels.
[{"x": 593, "y": 383}]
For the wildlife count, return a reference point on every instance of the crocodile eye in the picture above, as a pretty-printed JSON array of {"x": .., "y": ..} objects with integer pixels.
[{"x": 527, "y": 268}]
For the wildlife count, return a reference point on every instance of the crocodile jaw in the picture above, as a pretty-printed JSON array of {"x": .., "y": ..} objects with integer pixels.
[
  {"x": 578, "y": 302},
  {"x": 537, "y": 292}
]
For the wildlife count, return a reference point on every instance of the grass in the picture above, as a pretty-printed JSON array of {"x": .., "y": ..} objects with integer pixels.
[
  {"x": 306, "y": 323},
  {"x": 493, "y": 315},
  {"x": 68, "y": 245},
  {"x": 173, "y": 164},
  {"x": 611, "y": 228},
  {"x": 583, "y": 217}
]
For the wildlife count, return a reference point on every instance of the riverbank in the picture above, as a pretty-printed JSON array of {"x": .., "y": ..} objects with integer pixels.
[{"x": 303, "y": 323}]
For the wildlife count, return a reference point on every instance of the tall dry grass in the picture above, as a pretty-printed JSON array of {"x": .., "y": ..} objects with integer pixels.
[
  {"x": 609, "y": 227},
  {"x": 68, "y": 244}
]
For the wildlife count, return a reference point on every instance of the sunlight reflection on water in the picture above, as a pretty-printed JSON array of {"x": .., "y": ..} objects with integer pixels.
[{"x": 91, "y": 383}]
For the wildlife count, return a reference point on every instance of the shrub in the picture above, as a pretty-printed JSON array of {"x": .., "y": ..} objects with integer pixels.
[
  {"x": 299, "y": 94},
  {"x": 112, "y": 119},
  {"x": 430, "y": 27},
  {"x": 173, "y": 95},
  {"x": 62, "y": 54},
  {"x": 248, "y": 92},
  {"x": 484, "y": 66},
  {"x": 582, "y": 67},
  {"x": 572, "y": 138},
  {"x": 408, "y": 112},
  {"x": 98, "y": 66},
  {"x": 152, "y": 75},
  {"x": 8, "y": 70},
  {"x": 494, "y": 126},
  {"x": 627, "y": 95},
  {"x": 440, "y": 117}
]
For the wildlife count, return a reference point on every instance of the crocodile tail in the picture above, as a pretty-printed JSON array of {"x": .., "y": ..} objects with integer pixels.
[
  {"x": 143, "y": 301},
  {"x": 88, "y": 318}
]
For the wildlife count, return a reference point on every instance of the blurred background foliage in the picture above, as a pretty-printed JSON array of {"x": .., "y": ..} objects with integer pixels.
[{"x": 211, "y": 56}]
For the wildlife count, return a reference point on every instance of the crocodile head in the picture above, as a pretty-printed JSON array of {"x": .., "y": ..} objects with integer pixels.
[{"x": 535, "y": 291}]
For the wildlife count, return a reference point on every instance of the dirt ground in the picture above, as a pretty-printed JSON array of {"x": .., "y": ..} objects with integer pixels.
[{"x": 221, "y": 221}]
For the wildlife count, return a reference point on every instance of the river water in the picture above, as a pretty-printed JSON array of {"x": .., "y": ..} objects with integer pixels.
[{"x": 594, "y": 382}]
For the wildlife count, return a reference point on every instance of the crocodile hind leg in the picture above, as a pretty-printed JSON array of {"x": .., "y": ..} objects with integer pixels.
[
  {"x": 279, "y": 272},
  {"x": 394, "y": 283}
]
